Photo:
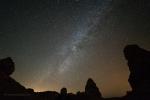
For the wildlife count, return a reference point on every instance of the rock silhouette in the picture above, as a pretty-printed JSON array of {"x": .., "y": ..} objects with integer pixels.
[
  {"x": 8, "y": 85},
  {"x": 63, "y": 94},
  {"x": 7, "y": 66},
  {"x": 63, "y": 91},
  {"x": 91, "y": 90},
  {"x": 139, "y": 66}
]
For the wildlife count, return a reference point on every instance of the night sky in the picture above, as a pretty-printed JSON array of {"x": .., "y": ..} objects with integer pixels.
[{"x": 61, "y": 43}]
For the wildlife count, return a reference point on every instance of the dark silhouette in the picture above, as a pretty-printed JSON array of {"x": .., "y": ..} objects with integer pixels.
[
  {"x": 47, "y": 95},
  {"x": 139, "y": 79},
  {"x": 7, "y": 66},
  {"x": 8, "y": 85},
  {"x": 91, "y": 90},
  {"x": 139, "y": 66},
  {"x": 63, "y": 94},
  {"x": 63, "y": 91}
]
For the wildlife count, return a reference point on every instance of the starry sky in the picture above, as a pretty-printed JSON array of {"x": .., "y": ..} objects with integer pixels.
[{"x": 61, "y": 43}]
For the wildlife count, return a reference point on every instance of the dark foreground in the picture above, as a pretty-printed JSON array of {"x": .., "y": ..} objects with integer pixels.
[{"x": 139, "y": 79}]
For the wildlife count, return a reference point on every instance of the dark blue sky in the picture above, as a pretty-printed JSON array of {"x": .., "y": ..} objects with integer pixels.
[{"x": 57, "y": 43}]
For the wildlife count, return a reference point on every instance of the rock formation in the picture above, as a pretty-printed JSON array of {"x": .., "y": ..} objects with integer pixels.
[
  {"x": 139, "y": 66},
  {"x": 63, "y": 94},
  {"x": 7, "y": 66},
  {"x": 8, "y": 86},
  {"x": 139, "y": 79},
  {"x": 91, "y": 90}
]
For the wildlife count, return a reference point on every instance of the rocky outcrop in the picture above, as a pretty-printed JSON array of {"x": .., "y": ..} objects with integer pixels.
[
  {"x": 8, "y": 86},
  {"x": 7, "y": 66},
  {"x": 63, "y": 94},
  {"x": 139, "y": 66},
  {"x": 91, "y": 90}
]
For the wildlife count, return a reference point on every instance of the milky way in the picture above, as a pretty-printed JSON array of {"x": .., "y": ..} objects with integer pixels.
[
  {"x": 87, "y": 23},
  {"x": 73, "y": 47}
]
